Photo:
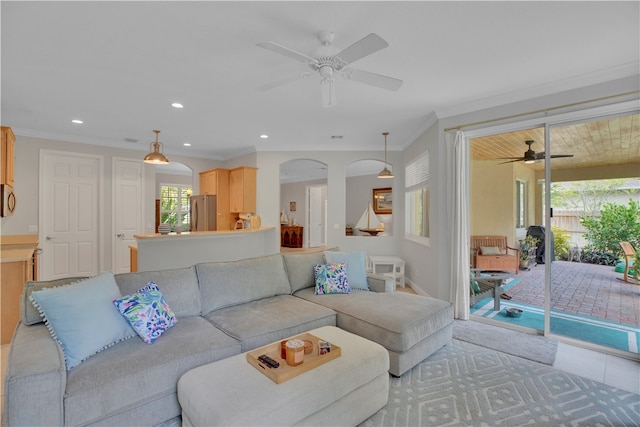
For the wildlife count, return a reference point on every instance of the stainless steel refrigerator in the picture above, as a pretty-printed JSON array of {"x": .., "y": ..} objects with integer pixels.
[{"x": 203, "y": 213}]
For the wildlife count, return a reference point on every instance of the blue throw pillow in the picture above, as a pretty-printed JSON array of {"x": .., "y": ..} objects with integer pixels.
[
  {"x": 81, "y": 316},
  {"x": 331, "y": 279},
  {"x": 147, "y": 312},
  {"x": 356, "y": 268}
]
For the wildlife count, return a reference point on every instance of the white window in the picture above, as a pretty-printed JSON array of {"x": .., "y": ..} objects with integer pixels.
[
  {"x": 174, "y": 205},
  {"x": 417, "y": 199}
]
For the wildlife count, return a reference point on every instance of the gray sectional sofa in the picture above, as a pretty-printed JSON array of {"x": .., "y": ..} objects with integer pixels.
[{"x": 223, "y": 309}]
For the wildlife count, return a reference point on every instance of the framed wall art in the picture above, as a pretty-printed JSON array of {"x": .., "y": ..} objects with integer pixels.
[{"x": 382, "y": 201}]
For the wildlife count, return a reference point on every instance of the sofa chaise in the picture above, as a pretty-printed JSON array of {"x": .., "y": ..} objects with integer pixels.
[{"x": 222, "y": 309}]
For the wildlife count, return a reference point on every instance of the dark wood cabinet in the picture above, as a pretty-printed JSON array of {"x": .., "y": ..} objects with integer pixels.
[{"x": 291, "y": 236}]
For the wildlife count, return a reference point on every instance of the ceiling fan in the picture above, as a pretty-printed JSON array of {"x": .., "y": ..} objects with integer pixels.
[
  {"x": 329, "y": 61},
  {"x": 531, "y": 156}
]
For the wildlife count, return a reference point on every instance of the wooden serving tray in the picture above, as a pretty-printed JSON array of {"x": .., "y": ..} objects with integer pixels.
[{"x": 285, "y": 372}]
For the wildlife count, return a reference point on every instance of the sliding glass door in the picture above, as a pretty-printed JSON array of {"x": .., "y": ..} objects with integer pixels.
[
  {"x": 594, "y": 196},
  {"x": 571, "y": 190}
]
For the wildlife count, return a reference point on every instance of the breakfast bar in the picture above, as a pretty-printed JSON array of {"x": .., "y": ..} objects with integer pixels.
[{"x": 164, "y": 251}]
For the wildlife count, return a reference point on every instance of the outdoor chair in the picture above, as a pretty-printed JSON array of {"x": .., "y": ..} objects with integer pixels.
[{"x": 629, "y": 253}]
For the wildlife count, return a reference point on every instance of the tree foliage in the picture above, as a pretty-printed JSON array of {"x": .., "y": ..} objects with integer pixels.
[
  {"x": 586, "y": 196},
  {"x": 616, "y": 223}
]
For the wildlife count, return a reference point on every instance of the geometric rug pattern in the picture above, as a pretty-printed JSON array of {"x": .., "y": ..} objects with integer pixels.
[{"x": 463, "y": 384}]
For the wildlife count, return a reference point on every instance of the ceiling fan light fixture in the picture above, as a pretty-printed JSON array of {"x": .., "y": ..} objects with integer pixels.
[
  {"x": 385, "y": 173},
  {"x": 156, "y": 157}
]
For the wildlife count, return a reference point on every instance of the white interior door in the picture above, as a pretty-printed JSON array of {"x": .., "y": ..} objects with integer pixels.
[
  {"x": 316, "y": 218},
  {"x": 127, "y": 210},
  {"x": 69, "y": 214}
]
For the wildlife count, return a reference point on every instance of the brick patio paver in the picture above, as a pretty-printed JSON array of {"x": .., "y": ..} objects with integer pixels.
[{"x": 581, "y": 288}]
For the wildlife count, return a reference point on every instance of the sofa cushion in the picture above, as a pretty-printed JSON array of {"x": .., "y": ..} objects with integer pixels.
[
  {"x": 261, "y": 322},
  {"x": 490, "y": 250},
  {"x": 408, "y": 319},
  {"x": 29, "y": 314},
  {"x": 147, "y": 312},
  {"x": 82, "y": 318},
  {"x": 331, "y": 278},
  {"x": 356, "y": 267},
  {"x": 300, "y": 269},
  {"x": 224, "y": 284},
  {"x": 132, "y": 373},
  {"x": 179, "y": 287}
]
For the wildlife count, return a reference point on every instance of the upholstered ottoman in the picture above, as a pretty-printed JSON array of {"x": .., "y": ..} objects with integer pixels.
[{"x": 344, "y": 391}]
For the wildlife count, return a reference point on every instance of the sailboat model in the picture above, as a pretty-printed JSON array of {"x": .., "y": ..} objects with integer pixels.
[{"x": 368, "y": 217}]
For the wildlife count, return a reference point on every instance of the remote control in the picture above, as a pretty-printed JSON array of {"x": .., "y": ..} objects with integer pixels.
[{"x": 268, "y": 361}]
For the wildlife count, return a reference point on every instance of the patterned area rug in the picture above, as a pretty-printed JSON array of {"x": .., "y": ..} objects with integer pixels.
[{"x": 463, "y": 384}]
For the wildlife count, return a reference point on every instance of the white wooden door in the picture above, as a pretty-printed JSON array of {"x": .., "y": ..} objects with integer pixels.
[
  {"x": 127, "y": 210},
  {"x": 315, "y": 222},
  {"x": 69, "y": 214}
]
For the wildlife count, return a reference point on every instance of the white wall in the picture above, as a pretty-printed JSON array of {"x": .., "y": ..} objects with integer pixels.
[
  {"x": 270, "y": 204},
  {"x": 424, "y": 264}
]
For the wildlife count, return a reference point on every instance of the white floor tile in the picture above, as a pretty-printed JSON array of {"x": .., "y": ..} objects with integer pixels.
[
  {"x": 622, "y": 373},
  {"x": 580, "y": 361}
]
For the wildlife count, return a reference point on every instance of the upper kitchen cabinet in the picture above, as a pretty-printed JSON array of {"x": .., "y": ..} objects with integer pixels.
[
  {"x": 216, "y": 182},
  {"x": 242, "y": 184},
  {"x": 7, "y": 153}
]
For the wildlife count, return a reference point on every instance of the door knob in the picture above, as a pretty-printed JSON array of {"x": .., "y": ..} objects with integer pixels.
[
  {"x": 120, "y": 235},
  {"x": 50, "y": 238}
]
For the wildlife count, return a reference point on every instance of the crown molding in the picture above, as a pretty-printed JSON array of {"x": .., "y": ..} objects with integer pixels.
[{"x": 576, "y": 82}]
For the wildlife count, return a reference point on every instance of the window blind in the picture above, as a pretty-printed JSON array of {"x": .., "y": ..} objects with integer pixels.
[{"x": 417, "y": 172}]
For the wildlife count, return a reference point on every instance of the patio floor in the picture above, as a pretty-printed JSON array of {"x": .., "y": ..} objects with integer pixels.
[{"x": 581, "y": 288}]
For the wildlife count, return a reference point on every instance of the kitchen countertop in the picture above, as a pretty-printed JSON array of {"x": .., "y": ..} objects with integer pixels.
[{"x": 196, "y": 234}]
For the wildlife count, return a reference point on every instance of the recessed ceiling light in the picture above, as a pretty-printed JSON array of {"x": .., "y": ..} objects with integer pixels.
[
  {"x": 187, "y": 144},
  {"x": 77, "y": 121},
  {"x": 177, "y": 105},
  {"x": 263, "y": 136}
]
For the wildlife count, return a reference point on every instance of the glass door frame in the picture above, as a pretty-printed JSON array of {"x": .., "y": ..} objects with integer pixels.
[{"x": 560, "y": 119}]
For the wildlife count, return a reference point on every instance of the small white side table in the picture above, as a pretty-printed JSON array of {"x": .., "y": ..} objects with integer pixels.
[{"x": 393, "y": 263}]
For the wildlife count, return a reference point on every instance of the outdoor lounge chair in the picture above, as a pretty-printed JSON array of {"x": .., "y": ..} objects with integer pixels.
[{"x": 629, "y": 253}]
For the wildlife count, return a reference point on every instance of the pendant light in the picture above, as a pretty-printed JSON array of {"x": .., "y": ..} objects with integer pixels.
[
  {"x": 155, "y": 156},
  {"x": 385, "y": 173}
]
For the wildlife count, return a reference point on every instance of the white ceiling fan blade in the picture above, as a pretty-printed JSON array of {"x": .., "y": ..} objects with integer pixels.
[
  {"x": 283, "y": 81},
  {"x": 328, "y": 89},
  {"x": 372, "y": 79},
  {"x": 275, "y": 47},
  {"x": 363, "y": 47}
]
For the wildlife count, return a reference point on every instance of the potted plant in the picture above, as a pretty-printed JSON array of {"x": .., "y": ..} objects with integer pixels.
[{"x": 526, "y": 246}]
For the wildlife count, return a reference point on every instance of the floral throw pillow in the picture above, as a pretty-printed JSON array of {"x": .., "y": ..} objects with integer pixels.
[
  {"x": 331, "y": 278},
  {"x": 147, "y": 312}
]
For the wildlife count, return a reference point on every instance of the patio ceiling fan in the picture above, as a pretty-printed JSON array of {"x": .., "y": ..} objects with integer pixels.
[
  {"x": 328, "y": 61},
  {"x": 531, "y": 156}
]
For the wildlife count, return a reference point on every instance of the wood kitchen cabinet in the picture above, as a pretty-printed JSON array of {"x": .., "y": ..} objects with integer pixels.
[
  {"x": 242, "y": 184},
  {"x": 7, "y": 155},
  {"x": 216, "y": 182},
  {"x": 18, "y": 263}
]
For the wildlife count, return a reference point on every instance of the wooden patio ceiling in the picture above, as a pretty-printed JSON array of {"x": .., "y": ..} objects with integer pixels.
[{"x": 606, "y": 142}]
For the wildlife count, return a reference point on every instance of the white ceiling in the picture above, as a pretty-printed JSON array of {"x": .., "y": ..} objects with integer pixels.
[{"x": 119, "y": 65}]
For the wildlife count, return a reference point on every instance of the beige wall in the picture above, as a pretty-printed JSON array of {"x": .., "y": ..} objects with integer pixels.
[{"x": 492, "y": 208}]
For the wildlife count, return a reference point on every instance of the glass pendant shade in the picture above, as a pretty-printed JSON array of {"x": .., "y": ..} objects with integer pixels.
[{"x": 156, "y": 157}]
